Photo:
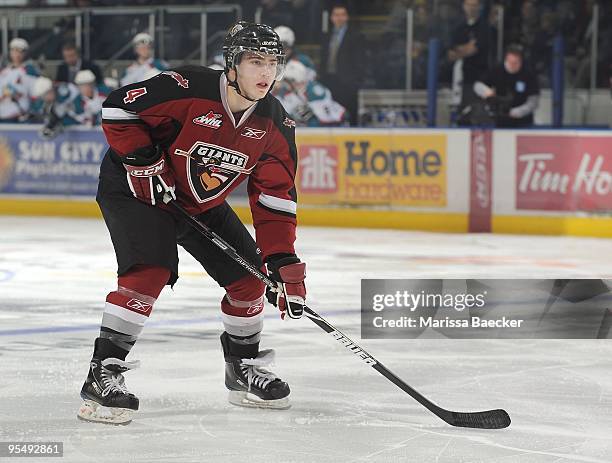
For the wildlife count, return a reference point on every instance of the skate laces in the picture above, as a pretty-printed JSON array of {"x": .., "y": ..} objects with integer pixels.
[
  {"x": 254, "y": 371},
  {"x": 113, "y": 380}
]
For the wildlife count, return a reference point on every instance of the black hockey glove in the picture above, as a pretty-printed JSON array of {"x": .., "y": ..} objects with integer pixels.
[
  {"x": 289, "y": 273},
  {"x": 149, "y": 178}
]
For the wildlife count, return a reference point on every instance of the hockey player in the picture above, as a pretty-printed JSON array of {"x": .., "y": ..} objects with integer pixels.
[
  {"x": 308, "y": 101},
  {"x": 91, "y": 96},
  {"x": 16, "y": 81},
  {"x": 287, "y": 37},
  {"x": 196, "y": 133},
  {"x": 53, "y": 105},
  {"x": 145, "y": 62}
]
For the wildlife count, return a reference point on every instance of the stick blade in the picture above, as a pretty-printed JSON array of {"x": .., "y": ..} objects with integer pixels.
[{"x": 490, "y": 419}]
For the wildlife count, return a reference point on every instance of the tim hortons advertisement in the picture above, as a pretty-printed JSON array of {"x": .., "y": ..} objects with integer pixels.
[
  {"x": 564, "y": 173},
  {"x": 372, "y": 169}
]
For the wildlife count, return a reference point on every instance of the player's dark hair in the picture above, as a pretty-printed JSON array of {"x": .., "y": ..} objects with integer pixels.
[
  {"x": 339, "y": 4},
  {"x": 70, "y": 46}
]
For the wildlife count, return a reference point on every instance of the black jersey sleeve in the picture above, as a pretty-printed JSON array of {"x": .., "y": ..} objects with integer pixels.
[{"x": 151, "y": 112}]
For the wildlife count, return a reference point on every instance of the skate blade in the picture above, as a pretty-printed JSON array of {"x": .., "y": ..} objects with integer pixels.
[
  {"x": 246, "y": 399},
  {"x": 94, "y": 412}
]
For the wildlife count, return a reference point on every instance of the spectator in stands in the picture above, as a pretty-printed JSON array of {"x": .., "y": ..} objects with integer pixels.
[
  {"x": 145, "y": 62},
  {"x": 275, "y": 12},
  {"x": 308, "y": 27},
  {"x": 88, "y": 106},
  {"x": 307, "y": 101},
  {"x": 422, "y": 33},
  {"x": 526, "y": 25},
  {"x": 287, "y": 38},
  {"x": 53, "y": 105},
  {"x": 469, "y": 52},
  {"x": 73, "y": 63},
  {"x": 16, "y": 81},
  {"x": 342, "y": 66},
  {"x": 511, "y": 90}
]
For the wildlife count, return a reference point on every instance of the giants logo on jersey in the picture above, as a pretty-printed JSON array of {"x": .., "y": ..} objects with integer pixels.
[
  {"x": 211, "y": 169},
  {"x": 134, "y": 93},
  {"x": 212, "y": 120},
  {"x": 180, "y": 80}
]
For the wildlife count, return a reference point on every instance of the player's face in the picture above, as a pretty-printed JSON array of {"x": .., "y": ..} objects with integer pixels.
[
  {"x": 513, "y": 63},
  {"x": 143, "y": 50},
  {"x": 70, "y": 56},
  {"x": 256, "y": 73},
  {"x": 339, "y": 17},
  {"x": 86, "y": 90},
  {"x": 471, "y": 8},
  {"x": 17, "y": 55}
]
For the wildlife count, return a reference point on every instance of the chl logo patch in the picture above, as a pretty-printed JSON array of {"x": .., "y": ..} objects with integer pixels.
[
  {"x": 211, "y": 169},
  {"x": 134, "y": 93},
  {"x": 180, "y": 80},
  {"x": 210, "y": 119},
  {"x": 139, "y": 306},
  {"x": 253, "y": 133}
]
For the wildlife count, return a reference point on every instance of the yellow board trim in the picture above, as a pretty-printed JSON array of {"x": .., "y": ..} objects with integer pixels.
[
  {"x": 594, "y": 226},
  {"x": 49, "y": 207},
  {"x": 323, "y": 217},
  {"x": 399, "y": 220}
]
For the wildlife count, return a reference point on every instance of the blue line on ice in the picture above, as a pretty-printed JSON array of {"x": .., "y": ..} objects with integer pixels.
[
  {"x": 6, "y": 275},
  {"x": 160, "y": 323}
]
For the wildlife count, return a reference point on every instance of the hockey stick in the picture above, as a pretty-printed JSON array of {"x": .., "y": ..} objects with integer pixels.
[{"x": 490, "y": 419}]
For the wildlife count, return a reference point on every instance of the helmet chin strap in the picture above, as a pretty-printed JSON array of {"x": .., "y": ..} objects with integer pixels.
[{"x": 235, "y": 85}]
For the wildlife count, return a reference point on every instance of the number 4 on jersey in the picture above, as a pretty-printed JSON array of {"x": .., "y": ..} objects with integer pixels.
[{"x": 134, "y": 93}]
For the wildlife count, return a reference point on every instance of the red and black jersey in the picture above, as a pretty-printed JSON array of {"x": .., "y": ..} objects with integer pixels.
[{"x": 186, "y": 112}]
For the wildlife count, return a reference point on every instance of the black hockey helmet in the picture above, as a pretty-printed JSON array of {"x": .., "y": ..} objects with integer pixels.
[{"x": 259, "y": 38}]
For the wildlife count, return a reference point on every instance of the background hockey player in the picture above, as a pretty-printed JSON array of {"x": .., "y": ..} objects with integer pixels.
[
  {"x": 287, "y": 37},
  {"x": 53, "y": 105},
  {"x": 16, "y": 81},
  {"x": 88, "y": 106},
  {"x": 196, "y": 133},
  {"x": 145, "y": 62},
  {"x": 308, "y": 101}
]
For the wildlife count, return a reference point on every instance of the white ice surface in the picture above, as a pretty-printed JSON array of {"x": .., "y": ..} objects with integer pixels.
[{"x": 55, "y": 274}]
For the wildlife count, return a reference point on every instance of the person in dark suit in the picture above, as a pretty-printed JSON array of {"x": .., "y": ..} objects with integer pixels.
[
  {"x": 73, "y": 64},
  {"x": 341, "y": 65},
  {"x": 469, "y": 52}
]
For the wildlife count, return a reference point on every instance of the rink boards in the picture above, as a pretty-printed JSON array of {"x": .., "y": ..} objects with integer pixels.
[{"x": 456, "y": 180}]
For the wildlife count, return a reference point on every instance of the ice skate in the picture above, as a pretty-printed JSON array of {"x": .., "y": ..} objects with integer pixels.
[
  {"x": 251, "y": 385},
  {"x": 106, "y": 398}
]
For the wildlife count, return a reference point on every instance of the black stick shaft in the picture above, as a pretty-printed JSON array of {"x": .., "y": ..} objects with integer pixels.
[{"x": 490, "y": 419}]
